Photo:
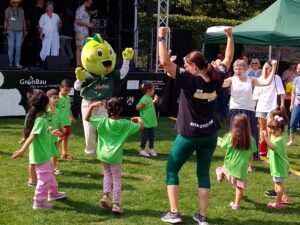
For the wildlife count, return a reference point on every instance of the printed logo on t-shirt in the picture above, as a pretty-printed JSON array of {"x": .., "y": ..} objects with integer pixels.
[
  {"x": 199, "y": 94},
  {"x": 201, "y": 126},
  {"x": 101, "y": 87}
]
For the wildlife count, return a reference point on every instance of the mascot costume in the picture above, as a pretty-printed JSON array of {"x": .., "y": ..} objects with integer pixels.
[{"x": 97, "y": 80}]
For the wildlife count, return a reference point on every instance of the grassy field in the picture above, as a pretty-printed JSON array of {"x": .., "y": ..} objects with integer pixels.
[{"x": 144, "y": 197}]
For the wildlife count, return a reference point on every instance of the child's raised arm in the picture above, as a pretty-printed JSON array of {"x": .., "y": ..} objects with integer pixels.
[
  {"x": 266, "y": 138},
  {"x": 21, "y": 152},
  {"x": 139, "y": 121},
  {"x": 90, "y": 110}
]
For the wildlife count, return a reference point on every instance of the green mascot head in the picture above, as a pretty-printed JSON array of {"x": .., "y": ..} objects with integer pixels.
[{"x": 97, "y": 56}]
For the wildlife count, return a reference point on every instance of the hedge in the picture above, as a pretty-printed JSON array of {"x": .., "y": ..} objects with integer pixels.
[{"x": 198, "y": 24}]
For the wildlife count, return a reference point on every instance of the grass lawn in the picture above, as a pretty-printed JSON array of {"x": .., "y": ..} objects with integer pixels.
[{"x": 144, "y": 197}]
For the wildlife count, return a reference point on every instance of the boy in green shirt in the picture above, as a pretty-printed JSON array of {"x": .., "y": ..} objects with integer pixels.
[{"x": 66, "y": 116}]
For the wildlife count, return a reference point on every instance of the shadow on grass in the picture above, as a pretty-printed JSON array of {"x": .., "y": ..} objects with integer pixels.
[{"x": 232, "y": 221}]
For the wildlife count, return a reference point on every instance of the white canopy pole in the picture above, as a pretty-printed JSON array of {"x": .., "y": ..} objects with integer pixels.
[{"x": 270, "y": 52}]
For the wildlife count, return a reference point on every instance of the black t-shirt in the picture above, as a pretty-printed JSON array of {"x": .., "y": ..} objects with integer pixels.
[{"x": 197, "y": 103}]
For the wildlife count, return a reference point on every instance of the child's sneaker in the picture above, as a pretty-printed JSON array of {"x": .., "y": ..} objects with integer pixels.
[
  {"x": 202, "y": 220},
  {"x": 117, "y": 209},
  {"x": 274, "y": 206},
  {"x": 57, "y": 172},
  {"x": 57, "y": 196},
  {"x": 41, "y": 205},
  {"x": 170, "y": 217},
  {"x": 89, "y": 152},
  {"x": 271, "y": 193},
  {"x": 285, "y": 201},
  {"x": 291, "y": 143},
  {"x": 152, "y": 153},
  {"x": 32, "y": 183},
  {"x": 104, "y": 202},
  {"x": 234, "y": 206},
  {"x": 143, "y": 153}
]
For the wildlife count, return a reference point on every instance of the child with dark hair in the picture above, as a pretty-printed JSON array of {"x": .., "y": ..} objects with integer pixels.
[
  {"x": 148, "y": 114},
  {"x": 66, "y": 116},
  {"x": 277, "y": 154},
  {"x": 239, "y": 146},
  {"x": 38, "y": 139},
  {"x": 112, "y": 134},
  {"x": 54, "y": 123}
]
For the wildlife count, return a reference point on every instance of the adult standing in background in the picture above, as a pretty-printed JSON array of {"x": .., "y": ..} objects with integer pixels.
[
  {"x": 15, "y": 26},
  {"x": 255, "y": 68},
  {"x": 49, "y": 25},
  {"x": 81, "y": 27},
  {"x": 67, "y": 33},
  {"x": 289, "y": 74}
]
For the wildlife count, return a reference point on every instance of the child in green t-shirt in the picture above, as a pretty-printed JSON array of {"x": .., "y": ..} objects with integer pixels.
[
  {"x": 54, "y": 123},
  {"x": 148, "y": 115},
  {"x": 239, "y": 146},
  {"x": 66, "y": 116},
  {"x": 38, "y": 138},
  {"x": 277, "y": 154},
  {"x": 112, "y": 134}
]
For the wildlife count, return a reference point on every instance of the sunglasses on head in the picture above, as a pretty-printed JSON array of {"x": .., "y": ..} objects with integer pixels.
[{"x": 254, "y": 63}]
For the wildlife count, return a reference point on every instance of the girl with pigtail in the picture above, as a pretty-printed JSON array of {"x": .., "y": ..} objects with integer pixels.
[
  {"x": 38, "y": 139},
  {"x": 277, "y": 154}
]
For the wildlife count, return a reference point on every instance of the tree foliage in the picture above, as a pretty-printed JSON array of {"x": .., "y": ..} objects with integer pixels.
[{"x": 229, "y": 9}]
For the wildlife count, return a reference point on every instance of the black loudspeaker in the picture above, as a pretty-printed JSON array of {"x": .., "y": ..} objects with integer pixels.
[
  {"x": 58, "y": 63},
  {"x": 4, "y": 62},
  {"x": 181, "y": 43},
  {"x": 149, "y": 8}
]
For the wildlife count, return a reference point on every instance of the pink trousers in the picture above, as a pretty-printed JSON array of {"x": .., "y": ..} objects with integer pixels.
[
  {"x": 46, "y": 182},
  {"x": 112, "y": 181}
]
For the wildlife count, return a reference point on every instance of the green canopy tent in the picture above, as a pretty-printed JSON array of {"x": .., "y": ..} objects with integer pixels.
[{"x": 277, "y": 25}]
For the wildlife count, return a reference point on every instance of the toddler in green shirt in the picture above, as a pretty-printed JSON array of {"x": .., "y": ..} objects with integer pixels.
[
  {"x": 239, "y": 146},
  {"x": 112, "y": 134}
]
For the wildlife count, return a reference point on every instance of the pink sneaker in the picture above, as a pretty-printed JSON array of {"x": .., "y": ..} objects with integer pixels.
[
  {"x": 285, "y": 201},
  {"x": 234, "y": 206},
  {"x": 41, "y": 205},
  {"x": 57, "y": 196},
  {"x": 117, "y": 209},
  {"x": 274, "y": 206},
  {"x": 104, "y": 202}
]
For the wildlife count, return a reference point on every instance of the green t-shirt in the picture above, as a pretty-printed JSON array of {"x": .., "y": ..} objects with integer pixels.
[
  {"x": 54, "y": 123},
  {"x": 99, "y": 87},
  {"x": 148, "y": 113},
  {"x": 64, "y": 108},
  {"x": 279, "y": 163},
  {"x": 40, "y": 148},
  {"x": 237, "y": 161},
  {"x": 112, "y": 135}
]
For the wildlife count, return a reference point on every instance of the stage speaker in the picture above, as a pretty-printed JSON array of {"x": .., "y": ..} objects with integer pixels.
[
  {"x": 58, "y": 63},
  {"x": 181, "y": 44},
  {"x": 4, "y": 62}
]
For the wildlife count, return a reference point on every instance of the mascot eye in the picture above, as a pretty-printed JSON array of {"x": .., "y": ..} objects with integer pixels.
[
  {"x": 99, "y": 52},
  {"x": 110, "y": 51}
]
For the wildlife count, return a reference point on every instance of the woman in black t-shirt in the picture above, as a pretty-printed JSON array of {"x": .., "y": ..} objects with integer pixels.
[{"x": 196, "y": 124}]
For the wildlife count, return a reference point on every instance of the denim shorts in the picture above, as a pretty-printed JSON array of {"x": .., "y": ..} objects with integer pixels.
[
  {"x": 263, "y": 115},
  {"x": 278, "y": 179}
]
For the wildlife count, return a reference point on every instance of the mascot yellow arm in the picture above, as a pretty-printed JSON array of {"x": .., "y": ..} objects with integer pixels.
[
  {"x": 128, "y": 54},
  {"x": 80, "y": 74}
]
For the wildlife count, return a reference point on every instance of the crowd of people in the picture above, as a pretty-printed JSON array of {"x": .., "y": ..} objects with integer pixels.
[
  {"x": 53, "y": 33},
  {"x": 253, "y": 99}
]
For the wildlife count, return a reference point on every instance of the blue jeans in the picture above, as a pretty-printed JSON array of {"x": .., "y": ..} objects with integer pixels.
[
  {"x": 295, "y": 119},
  {"x": 14, "y": 39}
]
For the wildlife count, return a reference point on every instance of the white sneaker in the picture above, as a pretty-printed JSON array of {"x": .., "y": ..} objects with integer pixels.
[
  {"x": 291, "y": 143},
  {"x": 152, "y": 153},
  {"x": 89, "y": 152},
  {"x": 57, "y": 172},
  {"x": 143, "y": 153},
  {"x": 234, "y": 206}
]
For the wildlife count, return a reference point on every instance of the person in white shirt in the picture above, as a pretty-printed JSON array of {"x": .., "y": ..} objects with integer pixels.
[
  {"x": 49, "y": 26},
  {"x": 266, "y": 98}
]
